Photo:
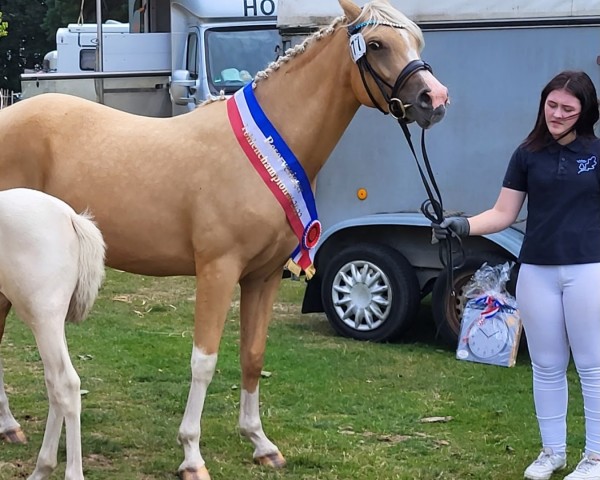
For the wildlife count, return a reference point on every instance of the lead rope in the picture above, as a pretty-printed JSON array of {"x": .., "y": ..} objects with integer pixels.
[{"x": 433, "y": 210}]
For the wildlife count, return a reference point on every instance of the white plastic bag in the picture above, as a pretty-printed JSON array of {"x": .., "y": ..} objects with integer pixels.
[{"x": 491, "y": 326}]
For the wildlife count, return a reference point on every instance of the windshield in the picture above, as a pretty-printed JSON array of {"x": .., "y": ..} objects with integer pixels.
[{"x": 235, "y": 56}]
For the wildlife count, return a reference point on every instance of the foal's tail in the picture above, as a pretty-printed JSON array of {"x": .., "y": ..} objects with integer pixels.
[{"x": 91, "y": 266}]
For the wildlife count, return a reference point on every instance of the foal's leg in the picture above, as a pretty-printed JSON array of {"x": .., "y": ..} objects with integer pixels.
[
  {"x": 256, "y": 308},
  {"x": 214, "y": 288},
  {"x": 10, "y": 430},
  {"x": 63, "y": 385}
]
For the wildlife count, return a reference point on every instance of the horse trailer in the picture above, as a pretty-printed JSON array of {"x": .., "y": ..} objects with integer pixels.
[{"x": 375, "y": 260}]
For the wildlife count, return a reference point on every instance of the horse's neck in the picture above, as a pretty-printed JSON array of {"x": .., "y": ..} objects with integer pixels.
[{"x": 310, "y": 100}]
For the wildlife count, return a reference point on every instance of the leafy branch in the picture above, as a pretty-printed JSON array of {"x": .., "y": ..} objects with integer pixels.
[{"x": 3, "y": 27}]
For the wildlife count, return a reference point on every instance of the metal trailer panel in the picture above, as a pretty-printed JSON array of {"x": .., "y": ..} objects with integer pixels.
[
  {"x": 495, "y": 77},
  {"x": 321, "y": 12},
  {"x": 141, "y": 93}
]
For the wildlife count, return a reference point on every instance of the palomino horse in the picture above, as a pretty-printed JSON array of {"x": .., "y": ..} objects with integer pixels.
[
  {"x": 51, "y": 268},
  {"x": 179, "y": 196}
]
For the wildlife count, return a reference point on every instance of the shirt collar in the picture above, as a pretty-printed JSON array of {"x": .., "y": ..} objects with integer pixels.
[{"x": 576, "y": 146}]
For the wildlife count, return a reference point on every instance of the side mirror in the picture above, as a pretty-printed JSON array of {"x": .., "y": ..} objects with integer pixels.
[{"x": 182, "y": 87}]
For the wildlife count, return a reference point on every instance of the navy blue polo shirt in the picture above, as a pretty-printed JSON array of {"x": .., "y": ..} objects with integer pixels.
[{"x": 562, "y": 183}]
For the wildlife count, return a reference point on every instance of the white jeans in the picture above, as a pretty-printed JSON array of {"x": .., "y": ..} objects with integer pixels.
[{"x": 560, "y": 307}]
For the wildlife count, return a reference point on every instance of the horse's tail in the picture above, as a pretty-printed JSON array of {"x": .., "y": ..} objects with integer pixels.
[{"x": 91, "y": 266}]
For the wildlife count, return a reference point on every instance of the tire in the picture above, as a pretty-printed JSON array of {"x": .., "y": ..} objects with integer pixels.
[
  {"x": 448, "y": 309},
  {"x": 379, "y": 311}
]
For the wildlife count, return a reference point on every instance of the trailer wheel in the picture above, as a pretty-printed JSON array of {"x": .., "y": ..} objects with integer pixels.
[
  {"x": 370, "y": 292},
  {"x": 448, "y": 309}
]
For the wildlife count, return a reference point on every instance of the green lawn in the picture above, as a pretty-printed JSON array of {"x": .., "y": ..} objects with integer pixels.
[{"x": 337, "y": 408}]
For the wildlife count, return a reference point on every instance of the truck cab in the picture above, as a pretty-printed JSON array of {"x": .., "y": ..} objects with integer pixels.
[
  {"x": 170, "y": 57},
  {"x": 217, "y": 47}
]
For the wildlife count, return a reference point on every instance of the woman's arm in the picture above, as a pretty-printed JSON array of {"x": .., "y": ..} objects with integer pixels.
[{"x": 502, "y": 215}]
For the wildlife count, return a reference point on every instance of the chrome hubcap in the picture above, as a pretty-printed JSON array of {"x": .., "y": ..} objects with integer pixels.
[{"x": 362, "y": 295}]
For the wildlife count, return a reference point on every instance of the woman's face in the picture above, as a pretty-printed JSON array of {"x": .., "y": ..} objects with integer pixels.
[{"x": 561, "y": 111}]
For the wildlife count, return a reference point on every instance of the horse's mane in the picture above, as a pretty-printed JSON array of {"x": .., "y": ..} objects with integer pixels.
[
  {"x": 290, "y": 53},
  {"x": 376, "y": 11}
]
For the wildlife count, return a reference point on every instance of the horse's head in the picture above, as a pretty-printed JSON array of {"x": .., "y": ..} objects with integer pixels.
[{"x": 386, "y": 47}]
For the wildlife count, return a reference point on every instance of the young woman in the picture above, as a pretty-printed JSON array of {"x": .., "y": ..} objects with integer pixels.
[{"x": 557, "y": 168}]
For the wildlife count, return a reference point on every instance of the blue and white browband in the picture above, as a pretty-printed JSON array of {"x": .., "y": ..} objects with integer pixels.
[{"x": 355, "y": 28}]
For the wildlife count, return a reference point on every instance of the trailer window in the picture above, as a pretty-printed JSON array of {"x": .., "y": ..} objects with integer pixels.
[
  {"x": 235, "y": 56},
  {"x": 87, "y": 59}
]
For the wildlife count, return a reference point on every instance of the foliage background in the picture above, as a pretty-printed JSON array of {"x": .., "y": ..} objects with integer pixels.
[
  {"x": 32, "y": 31},
  {"x": 3, "y": 27}
]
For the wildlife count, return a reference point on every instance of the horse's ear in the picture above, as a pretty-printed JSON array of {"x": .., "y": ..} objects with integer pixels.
[{"x": 351, "y": 10}]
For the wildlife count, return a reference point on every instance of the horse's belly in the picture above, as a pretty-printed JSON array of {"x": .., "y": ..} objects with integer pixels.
[{"x": 145, "y": 238}]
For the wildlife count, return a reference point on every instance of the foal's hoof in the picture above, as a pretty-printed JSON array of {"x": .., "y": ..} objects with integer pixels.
[
  {"x": 14, "y": 436},
  {"x": 273, "y": 460},
  {"x": 194, "y": 474}
]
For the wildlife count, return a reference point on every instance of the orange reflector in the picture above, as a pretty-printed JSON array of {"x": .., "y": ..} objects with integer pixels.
[{"x": 361, "y": 193}]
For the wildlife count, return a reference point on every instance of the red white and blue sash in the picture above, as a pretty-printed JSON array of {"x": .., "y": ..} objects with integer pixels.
[{"x": 282, "y": 173}]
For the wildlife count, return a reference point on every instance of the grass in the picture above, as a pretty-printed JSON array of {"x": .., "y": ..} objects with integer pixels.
[{"x": 337, "y": 408}]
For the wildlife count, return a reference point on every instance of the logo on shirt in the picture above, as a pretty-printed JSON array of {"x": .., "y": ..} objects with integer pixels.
[{"x": 587, "y": 164}]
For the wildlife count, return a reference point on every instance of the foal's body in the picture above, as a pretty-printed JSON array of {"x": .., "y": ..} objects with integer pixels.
[
  {"x": 178, "y": 196},
  {"x": 51, "y": 267}
]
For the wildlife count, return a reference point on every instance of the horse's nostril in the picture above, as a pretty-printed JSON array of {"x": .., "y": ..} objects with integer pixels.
[{"x": 424, "y": 99}]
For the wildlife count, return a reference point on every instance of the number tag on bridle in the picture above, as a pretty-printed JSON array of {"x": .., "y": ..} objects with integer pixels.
[{"x": 358, "y": 46}]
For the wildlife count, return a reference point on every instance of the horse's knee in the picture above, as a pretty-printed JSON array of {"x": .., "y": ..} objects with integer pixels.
[
  {"x": 64, "y": 391},
  {"x": 203, "y": 365},
  {"x": 252, "y": 363}
]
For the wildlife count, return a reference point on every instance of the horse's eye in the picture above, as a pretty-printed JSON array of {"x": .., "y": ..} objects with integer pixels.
[{"x": 374, "y": 45}]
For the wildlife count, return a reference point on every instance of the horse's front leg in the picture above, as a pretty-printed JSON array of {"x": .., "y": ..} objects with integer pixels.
[
  {"x": 10, "y": 430},
  {"x": 256, "y": 308},
  {"x": 215, "y": 283}
]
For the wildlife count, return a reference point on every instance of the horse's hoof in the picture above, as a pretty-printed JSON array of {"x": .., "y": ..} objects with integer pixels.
[
  {"x": 15, "y": 436},
  {"x": 194, "y": 474},
  {"x": 273, "y": 460}
]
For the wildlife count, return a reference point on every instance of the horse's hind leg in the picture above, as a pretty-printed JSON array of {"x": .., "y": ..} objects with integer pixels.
[
  {"x": 10, "y": 430},
  {"x": 63, "y": 385},
  {"x": 256, "y": 308},
  {"x": 214, "y": 288}
]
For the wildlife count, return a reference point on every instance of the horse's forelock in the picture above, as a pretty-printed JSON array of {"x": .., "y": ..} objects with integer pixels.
[{"x": 382, "y": 11}]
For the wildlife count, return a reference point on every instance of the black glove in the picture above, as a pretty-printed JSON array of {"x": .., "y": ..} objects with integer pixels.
[{"x": 457, "y": 225}]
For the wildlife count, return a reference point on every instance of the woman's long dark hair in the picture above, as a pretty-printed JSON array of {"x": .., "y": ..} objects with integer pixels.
[{"x": 578, "y": 84}]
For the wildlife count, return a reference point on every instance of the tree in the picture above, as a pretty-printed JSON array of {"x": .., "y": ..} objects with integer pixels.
[
  {"x": 33, "y": 25},
  {"x": 27, "y": 43},
  {"x": 62, "y": 12},
  {"x": 3, "y": 27}
]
